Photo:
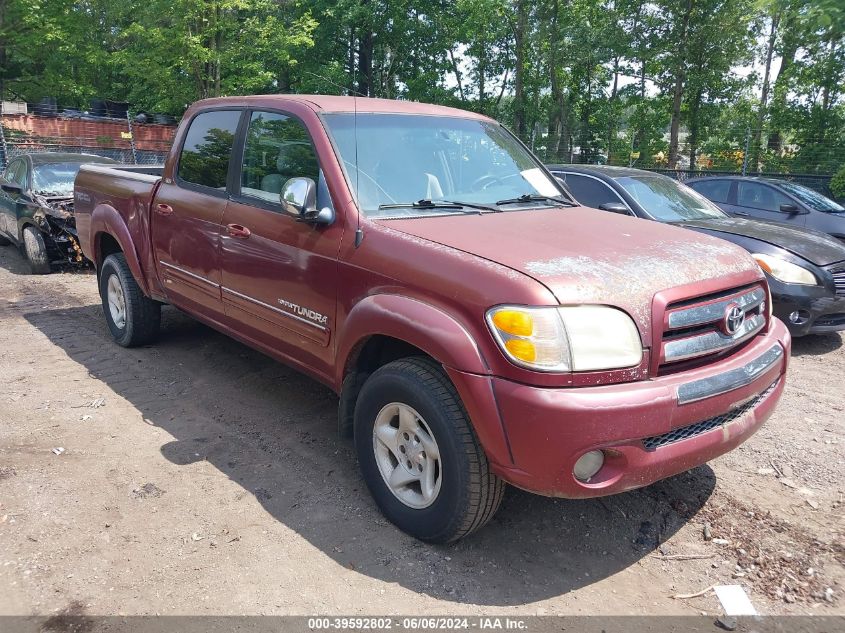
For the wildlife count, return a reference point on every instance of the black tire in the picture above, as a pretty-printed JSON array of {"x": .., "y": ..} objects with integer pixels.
[
  {"x": 36, "y": 251},
  {"x": 142, "y": 315},
  {"x": 469, "y": 492}
]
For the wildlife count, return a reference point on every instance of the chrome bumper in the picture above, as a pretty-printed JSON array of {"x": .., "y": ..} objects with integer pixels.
[{"x": 730, "y": 380}]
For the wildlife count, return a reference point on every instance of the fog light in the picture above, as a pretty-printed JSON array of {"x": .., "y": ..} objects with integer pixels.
[
  {"x": 799, "y": 317},
  {"x": 588, "y": 465}
]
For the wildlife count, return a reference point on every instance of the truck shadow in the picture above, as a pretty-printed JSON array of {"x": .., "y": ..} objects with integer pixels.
[{"x": 273, "y": 432}]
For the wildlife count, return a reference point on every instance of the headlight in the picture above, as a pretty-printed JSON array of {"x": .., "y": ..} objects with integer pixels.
[
  {"x": 579, "y": 338},
  {"x": 785, "y": 271}
]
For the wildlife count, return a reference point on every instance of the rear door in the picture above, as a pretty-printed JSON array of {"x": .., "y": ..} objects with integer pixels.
[
  {"x": 187, "y": 212},
  {"x": 279, "y": 276}
]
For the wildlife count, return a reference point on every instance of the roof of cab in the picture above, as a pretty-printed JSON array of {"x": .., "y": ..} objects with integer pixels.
[{"x": 332, "y": 103}]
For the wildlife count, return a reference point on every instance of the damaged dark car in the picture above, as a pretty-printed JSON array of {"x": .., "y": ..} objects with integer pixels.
[{"x": 36, "y": 208}]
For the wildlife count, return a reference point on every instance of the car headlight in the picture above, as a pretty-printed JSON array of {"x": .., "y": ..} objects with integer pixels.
[
  {"x": 578, "y": 338},
  {"x": 785, "y": 271}
]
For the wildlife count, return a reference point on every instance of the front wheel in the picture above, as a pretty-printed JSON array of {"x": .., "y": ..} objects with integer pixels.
[
  {"x": 132, "y": 317},
  {"x": 419, "y": 455},
  {"x": 36, "y": 251}
]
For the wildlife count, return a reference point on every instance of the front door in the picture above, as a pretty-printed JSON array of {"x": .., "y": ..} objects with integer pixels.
[
  {"x": 762, "y": 201},
  {"x": 10, "y": 203},
  {"x": 279, "y": 276},
  {"x": 187, "y": 212}
]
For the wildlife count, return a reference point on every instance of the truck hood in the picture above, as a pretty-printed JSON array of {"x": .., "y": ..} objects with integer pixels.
[
  {"x": 587, "y": 256},
  {"x": 816, "y": 247}
]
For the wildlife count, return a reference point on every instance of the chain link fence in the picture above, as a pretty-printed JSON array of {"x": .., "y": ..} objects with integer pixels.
[{"x": 130, "y": 139}]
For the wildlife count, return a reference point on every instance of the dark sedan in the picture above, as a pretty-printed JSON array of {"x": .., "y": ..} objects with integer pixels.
[
  {"x": 775, "y": 200},
  {"x": 36, "y": 208},
  {"x": 805, "y": 269}
]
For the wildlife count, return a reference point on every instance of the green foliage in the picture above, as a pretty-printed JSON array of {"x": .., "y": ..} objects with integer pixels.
[
  {"x": 837, "y": 183},
  {"x": 666, "y": 81}
]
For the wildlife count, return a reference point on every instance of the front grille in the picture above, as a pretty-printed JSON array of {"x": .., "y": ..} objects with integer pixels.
[
  {"x": 696, "y": 328},
  {"x": 839, "y": 279},
  {"x": 696, "y": 429}
]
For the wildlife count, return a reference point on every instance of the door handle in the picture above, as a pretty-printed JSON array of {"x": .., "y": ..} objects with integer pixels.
[
  {"x": 164, "y": 209},
  {"x": 741, "y": 213},
  {"x": 236, "y": 230}
]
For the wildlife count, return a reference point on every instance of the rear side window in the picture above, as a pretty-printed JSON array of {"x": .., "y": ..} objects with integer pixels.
[
  {"x": 208, "y": 147},
  {"x": 277, "y": 149},
  {"x": 715, "y": 190},
  {"x": 588, "y": 191}
]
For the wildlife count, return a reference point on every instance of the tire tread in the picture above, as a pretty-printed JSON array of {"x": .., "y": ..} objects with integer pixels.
[
  {"x": 485, "y": 490},
  {"x": 143, "y": 314}
]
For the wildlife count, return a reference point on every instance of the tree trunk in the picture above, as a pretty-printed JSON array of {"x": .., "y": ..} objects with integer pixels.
[
  {"x": 350, "y": 62},
  {"x": 789, "y": 48},
  {"x": 764, "y": 95},
  {"x": 457, "y": 72},
  {"x": 678, "y": 90},
  {"x": 695, "y": 107},
  {"x": 519, "y": 80},
  {"x": 365, "y": 63},
  {"x": 611, "y": 113}
]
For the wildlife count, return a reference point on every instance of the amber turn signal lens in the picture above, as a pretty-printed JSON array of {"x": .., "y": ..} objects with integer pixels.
[
  {"x": 763, "y": 265},
  {"x": 514, "y": 322},
  {"x": 523, "y": 350}
]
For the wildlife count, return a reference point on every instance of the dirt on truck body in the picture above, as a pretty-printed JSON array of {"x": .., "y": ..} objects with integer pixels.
[{"x": 479, "y": 327}]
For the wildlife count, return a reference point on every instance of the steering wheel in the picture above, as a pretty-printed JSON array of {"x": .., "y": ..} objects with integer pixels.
[
  {"x": 484, "y": 182},
  {"x": 488, "y": 180}
]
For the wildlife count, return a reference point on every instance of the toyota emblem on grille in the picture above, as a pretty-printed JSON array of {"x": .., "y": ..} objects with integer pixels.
[{"x": 734, "y": 318}]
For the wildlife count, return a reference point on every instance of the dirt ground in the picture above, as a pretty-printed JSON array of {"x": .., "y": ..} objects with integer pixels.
[{"x": 200, "y": 477}]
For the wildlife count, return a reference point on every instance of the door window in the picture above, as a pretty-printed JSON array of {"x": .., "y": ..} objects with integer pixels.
[
  {"x": 208, "y": 145},
  {"x": 16, "y": 172},
  {"x": 588, "y": 191},
  {"x": 757, "y": 196},
  {"x": 715, "y": 190},
  {"x": 277, "y": 149}
]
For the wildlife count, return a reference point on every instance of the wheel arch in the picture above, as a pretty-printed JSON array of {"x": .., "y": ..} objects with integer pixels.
[
  {"x": 111, "y": 235},
  {"x": 383, "y": 328}
]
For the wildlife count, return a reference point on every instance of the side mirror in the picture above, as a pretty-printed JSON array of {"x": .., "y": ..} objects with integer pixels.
[
  {"x": 299, "y": 200},
  {"x": 789, "y": 208},
  {"x": 12, "y": 187},
  {"x": 615, "y": 207}
]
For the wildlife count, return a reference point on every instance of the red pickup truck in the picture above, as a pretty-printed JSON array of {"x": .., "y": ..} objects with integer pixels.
[{"x": 478, "y": 326}]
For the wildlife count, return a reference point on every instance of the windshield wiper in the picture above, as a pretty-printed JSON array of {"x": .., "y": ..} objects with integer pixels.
[
  {"x": 437, "y": 204},
  {"x": 534, "y": 197}
]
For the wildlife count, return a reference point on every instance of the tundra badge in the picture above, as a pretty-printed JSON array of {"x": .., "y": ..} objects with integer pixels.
[{"x": 304, "y": 312}]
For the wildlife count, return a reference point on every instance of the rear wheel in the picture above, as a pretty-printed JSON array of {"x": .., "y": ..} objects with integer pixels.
[
  {"x": 36, "y": 251},
  {"x": 132, "y": 317},
  {"x": 419, "y": 455}
]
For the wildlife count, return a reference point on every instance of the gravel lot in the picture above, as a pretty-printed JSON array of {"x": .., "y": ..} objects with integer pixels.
[{"x": 200, "y": 477}]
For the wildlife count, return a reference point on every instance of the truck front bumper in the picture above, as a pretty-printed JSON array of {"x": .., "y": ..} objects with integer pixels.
[{"x": 647, "y": 430}]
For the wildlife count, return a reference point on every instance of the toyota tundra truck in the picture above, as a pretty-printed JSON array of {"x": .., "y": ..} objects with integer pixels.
[{"x": 478, "y": 326}]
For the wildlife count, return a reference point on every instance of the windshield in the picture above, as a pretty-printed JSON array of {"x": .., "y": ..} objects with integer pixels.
[
  {"x": 812, "y": 199},
  {"x": 403, "y": 159},
  {"x": 667, "y": 200},
  {"x": 54, "y": 179}
]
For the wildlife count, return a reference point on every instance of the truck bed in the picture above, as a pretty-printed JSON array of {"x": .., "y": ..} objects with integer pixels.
[{"x": 107, "y": 197}]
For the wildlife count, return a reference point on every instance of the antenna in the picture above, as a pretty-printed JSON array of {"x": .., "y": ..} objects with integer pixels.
[{"x": 359, "y": 234}]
